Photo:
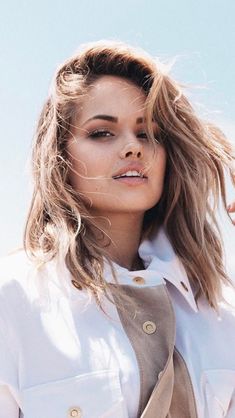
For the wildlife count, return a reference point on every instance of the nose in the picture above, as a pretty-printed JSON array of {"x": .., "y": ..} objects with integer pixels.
[{"x": 132, "y": 149}]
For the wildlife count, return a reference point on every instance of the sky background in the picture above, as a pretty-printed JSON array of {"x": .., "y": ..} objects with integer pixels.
[{"x": 36, "y": 36}]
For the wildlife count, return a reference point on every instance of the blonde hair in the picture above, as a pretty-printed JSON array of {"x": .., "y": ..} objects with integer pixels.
[{"x": 58, "y": 221}]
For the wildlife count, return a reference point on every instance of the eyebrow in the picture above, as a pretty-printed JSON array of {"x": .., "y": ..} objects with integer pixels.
[{"x": 113, "y": 119}]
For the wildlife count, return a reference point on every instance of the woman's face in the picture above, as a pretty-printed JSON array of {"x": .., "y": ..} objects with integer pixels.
[{"x": 114, "y": 166}]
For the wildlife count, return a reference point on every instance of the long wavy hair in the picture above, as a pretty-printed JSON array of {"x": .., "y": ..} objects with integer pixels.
[{"x": 198, "y": 153}]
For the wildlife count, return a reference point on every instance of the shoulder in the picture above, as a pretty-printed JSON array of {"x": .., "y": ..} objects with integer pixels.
[
  {"x": 227, "y": 305},
  {"x": 25, "y": 282},
  {"x": 220, "y": 323},
  {"x": 19, "y": 278},
  {"x": 13, "y": 267}
]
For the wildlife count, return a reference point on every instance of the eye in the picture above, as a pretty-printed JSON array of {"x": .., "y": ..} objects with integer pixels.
[
  {"x": 142, "y": 135},
  {"x": 99, "y": 133}
]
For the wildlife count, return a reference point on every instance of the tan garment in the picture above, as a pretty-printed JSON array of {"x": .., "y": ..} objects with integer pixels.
[{"x": 165, "y": 386}]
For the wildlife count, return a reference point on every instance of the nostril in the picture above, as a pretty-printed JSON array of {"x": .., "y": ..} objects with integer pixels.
[{"x": 137, "y": 154}]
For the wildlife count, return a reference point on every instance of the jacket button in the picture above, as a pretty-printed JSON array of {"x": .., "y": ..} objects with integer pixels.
[
  {"x": 76, "y": 284},
  {"x": 75, "y": 412},
  {"x": 138, "y": 280},
  {"x": 184, "y": 286},
  {"x": 149, "y": 327}
]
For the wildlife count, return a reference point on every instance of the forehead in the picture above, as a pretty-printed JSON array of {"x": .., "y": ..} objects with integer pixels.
[
  {"x": 111, "y": 94},
  {"x": 108, "y": 83}
]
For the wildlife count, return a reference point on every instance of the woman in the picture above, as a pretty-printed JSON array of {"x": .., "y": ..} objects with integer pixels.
[{"x": 115, "y": 307}]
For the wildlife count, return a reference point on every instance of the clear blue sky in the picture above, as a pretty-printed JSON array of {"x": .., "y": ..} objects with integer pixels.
[{"x": 35, "y": 36}]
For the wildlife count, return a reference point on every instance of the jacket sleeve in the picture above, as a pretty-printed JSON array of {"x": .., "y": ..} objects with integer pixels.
[{"x": 8, "y": 376}]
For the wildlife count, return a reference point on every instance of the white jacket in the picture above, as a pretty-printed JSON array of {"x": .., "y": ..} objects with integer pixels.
[{"x": 56, "y": 345}]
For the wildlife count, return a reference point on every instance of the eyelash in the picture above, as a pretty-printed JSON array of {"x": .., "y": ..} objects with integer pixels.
[{"x": 99, "y": 133}]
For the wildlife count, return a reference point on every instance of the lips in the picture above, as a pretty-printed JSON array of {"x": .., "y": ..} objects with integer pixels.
[{"x": 130, "y": 171}]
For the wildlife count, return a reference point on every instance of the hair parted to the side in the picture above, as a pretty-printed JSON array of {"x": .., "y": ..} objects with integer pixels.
[{"x": 58, "y": 221}]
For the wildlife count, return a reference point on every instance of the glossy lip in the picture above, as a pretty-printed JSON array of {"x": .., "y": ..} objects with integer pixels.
[
  {"x": 131, "y": 167},
  {"x": 132, "y": 181}
]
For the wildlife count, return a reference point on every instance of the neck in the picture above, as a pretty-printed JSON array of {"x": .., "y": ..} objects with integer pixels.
[{"x": 124, "y": 233}]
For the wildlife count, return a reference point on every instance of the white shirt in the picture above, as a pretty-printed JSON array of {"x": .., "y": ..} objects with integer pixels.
[{"x": 56, "y": 343}]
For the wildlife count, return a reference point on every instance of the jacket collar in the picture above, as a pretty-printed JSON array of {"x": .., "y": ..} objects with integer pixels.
[{"x": 161, "y": 266}]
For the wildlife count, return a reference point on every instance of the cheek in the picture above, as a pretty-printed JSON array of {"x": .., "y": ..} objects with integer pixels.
[
  {"x": 162, "y": 163},
  {"x": 87, "y": 157},
  {"x": 159, "y": 165},
  {"x": 79, "y": 160},
  {"x": 88, "y": 168}
]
